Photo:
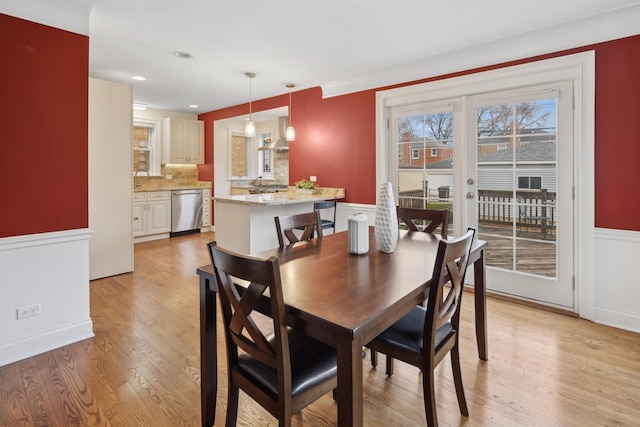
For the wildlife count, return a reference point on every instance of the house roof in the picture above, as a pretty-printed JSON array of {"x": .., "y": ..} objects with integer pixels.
[{"x": 532, "y": 152}]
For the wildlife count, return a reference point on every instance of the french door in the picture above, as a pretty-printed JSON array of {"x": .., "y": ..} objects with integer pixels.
[
  {"x": 519, "y": 189},
  {"x": 503, "y": 163}
]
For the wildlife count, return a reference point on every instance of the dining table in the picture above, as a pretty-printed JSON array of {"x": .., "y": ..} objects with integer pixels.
[{"x": 343, "y": 300}]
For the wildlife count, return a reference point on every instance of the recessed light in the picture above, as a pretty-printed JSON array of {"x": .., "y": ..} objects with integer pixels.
[
  {"x": 140, "y": 106},
  {"x": 193, "y": 106},
  {"x": 141, "y": 78},
  {"x": 181, "y": 54}
]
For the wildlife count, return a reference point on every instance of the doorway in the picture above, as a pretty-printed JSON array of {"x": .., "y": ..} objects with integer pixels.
[{"x": 555, "y": 224}]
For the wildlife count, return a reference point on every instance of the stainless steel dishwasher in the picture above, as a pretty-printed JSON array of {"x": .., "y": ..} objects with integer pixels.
[{"x": 186, "y": 210}]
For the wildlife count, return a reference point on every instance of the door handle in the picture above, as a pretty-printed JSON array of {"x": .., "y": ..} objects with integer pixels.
[{"x": 470, "y": 195}]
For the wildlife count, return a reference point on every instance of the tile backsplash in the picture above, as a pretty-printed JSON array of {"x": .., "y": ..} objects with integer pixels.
[{"x": 181, "y": 176}]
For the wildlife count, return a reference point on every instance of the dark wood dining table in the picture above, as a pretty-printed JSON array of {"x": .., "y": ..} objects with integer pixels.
[{"x": 345, "y": 301}]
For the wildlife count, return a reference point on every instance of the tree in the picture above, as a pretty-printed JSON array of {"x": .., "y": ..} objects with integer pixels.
[{"x": 502, "y": 119}]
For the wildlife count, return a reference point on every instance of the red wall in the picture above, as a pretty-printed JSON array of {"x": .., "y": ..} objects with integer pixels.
[
  {"x": 43, "y": 128},
  {"x": 335, "y": 137}
]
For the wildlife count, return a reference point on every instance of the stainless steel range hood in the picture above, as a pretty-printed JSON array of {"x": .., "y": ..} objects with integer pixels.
[{"x": 279, "y": 144}]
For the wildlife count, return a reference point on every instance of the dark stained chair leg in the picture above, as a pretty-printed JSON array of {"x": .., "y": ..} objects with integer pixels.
[
  {"x": 232, "y": 405},
  {"x": 457, "y": 380},
  {"x": 389, "y": 365},
  {"x": 429, "y": 397},
  {"x": 374, "y": 358}
]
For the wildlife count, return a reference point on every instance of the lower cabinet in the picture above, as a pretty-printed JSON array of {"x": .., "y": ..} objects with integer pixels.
[
  {"x": 206, "y": 208},
  {"x": 151, "y": 214}
]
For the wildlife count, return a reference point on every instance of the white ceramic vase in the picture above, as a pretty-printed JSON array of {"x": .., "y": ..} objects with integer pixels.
[{"x": 386, "y": 226}]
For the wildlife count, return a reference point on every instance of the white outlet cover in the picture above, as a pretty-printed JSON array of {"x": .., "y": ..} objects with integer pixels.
[{"x": 313, "y": 178}]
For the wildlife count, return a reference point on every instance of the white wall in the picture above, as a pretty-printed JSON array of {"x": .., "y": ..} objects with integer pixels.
[
  {"x": 50, "y": 269},
  {"x": 617, "y": 293},
  {"x": 110, "y": 176}
]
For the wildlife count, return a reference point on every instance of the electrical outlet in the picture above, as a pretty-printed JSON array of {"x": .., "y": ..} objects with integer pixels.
[
  {"x": 313, "y": 178},
  {"x": 29, "y": 310},
  {"x": 168, "y": 176}
]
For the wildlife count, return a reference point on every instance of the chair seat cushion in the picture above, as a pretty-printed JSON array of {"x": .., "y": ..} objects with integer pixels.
[
  {"x": 311, "y": 363},
  {"x": 407, "y": 333},
  {"x": 327, "y": 223}
]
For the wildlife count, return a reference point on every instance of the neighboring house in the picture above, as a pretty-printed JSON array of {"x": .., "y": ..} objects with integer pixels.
[
  {"x": 423, "y": 152},
  {"x": 536, "y": 168},
  {"x": 498, "y": 141}
]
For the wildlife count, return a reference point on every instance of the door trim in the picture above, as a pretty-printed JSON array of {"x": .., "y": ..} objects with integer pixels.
[{"x": 578, "y": 67}]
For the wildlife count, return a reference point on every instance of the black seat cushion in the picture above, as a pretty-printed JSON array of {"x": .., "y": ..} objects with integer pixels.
[
  {"x": 311, "y": 363},
  {"x": 407, "y": 333},
  {"x": 327, "y": 223}
]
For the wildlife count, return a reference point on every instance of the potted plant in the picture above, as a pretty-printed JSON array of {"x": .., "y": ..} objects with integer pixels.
[{"x": 305, "y": 187}]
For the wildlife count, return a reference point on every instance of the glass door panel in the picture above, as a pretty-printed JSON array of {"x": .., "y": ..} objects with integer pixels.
[
  {"x": 518, "y": 155},
  {"x": 424, "y": 142}
]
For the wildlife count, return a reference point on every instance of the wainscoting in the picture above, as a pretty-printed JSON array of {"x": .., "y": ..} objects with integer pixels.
[{"x": 50, "y": 270}]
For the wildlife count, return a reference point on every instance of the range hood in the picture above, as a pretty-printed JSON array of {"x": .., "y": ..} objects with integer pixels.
[{"x": 279, "y": 144}]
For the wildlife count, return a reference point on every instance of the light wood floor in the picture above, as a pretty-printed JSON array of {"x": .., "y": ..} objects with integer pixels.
[{"x": 142, "y": 367}]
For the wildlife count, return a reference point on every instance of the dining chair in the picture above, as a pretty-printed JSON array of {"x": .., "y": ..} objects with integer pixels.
[
  {"x": 285, "y": 370},
  {"x": 328, "y": 204},
  {"x": 425, "y": 335},
  {"x": 309, "y": 223},
  {"x": 416, "y": 219},
  {"x": 427, "y": 220}
]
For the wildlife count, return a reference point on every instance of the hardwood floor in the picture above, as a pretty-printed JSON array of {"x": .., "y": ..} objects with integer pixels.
[{"x": 142, "y": 367}]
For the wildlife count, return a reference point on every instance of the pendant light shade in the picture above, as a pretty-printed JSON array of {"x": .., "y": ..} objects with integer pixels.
[
  {"x": 250, "y": 127},
  {"x": 290, "y": 134}
]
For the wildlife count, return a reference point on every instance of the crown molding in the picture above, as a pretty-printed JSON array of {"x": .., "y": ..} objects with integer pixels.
[
  {"x": 607, "y": 26},
  {"x": 69, "y": 15}
]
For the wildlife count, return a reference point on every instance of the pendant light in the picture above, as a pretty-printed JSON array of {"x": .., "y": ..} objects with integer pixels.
[
  {"x": 290, "y": 134},
  {"x": 250, "y": 127}
]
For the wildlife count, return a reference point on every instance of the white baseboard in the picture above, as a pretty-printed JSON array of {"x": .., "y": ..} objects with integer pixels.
[{"x": 45, "y": 341}]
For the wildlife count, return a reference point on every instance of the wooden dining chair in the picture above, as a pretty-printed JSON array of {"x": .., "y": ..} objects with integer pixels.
[
  {"x": 308, "y": 223},
  {"x": 285, "y": 370},
  {"x": 328, "y": 204},
  {"x": 427, "y": 220},
  {"x": 425, "y": 335}
]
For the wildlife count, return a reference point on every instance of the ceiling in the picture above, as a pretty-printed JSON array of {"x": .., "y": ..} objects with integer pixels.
[{"x": 307, "y": 43}]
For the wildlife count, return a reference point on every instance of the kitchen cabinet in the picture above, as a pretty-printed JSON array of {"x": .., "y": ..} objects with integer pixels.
[
  {"x": 182, "y": 141},
  {"x": 151, "y": 215},
  {"x": 206, "y": 207}
]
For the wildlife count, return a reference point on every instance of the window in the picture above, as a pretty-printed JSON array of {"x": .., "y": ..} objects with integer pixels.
[
  {"x": 146, "y": 147},
  {"x": 501, "y": 147},
  {"x": 434, "y": 152},
  {"x": 415, "y": 154},
  {"x": 530, "y": 182}
]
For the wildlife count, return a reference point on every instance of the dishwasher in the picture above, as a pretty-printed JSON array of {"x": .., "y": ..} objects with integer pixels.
[{"x": 186, "y": 211}]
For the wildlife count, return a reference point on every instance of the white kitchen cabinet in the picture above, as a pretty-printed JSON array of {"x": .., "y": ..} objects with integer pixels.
[
  {"x": 151, "y": 215},
  {"x": 182, "y": 141},
  {"x": 206, "y": 208}
]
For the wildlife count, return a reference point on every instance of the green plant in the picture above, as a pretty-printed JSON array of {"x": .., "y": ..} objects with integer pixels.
[{"x": 307, "y": 185}]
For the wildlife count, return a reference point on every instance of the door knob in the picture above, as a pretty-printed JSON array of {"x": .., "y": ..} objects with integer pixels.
[{"x": 470, "y": 195}]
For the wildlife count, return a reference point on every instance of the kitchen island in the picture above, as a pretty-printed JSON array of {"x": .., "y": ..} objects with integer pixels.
[{"x": 245, "y": 224}]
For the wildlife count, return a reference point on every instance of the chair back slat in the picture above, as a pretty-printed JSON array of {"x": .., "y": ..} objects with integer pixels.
[
  {"x": 450, "y": 269},
  {"x": 310, "y": 223},
  {"x": 242, "y": 284},
  {"x": 433, "y": 218}
]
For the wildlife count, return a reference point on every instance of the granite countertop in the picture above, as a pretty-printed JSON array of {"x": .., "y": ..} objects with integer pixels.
[
  {"x": 283, "y": 198},
  {"x": 197, "y": 185}
]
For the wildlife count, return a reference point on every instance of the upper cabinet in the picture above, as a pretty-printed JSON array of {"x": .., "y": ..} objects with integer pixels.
[{"x": 182, "y": 141}]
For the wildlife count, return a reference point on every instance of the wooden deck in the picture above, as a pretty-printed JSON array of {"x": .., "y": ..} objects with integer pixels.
[{"x": 534, "y": 252}]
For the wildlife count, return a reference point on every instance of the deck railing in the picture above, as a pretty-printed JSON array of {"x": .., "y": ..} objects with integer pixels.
[{"x": 496, "y": 206}]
